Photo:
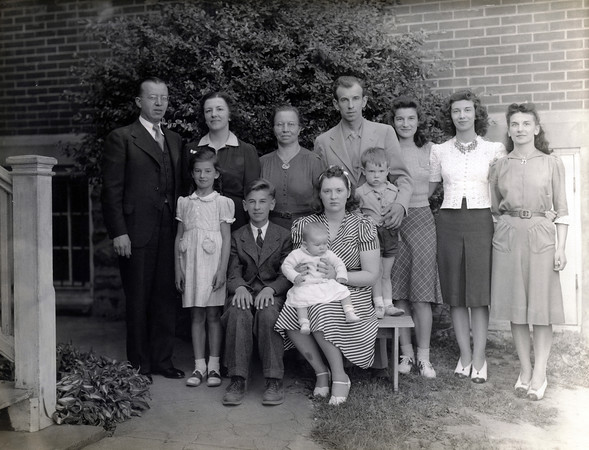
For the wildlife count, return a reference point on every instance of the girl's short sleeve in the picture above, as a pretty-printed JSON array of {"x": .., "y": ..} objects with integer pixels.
[
  {"x": 367, "y": 238},
  {"x": 180, "y": 208},
  {"x": 435, "y": 166},
  {"x": 226, "y": 210}
]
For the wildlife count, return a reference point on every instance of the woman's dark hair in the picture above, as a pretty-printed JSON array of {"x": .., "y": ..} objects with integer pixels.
[
  {"x": 481, "y": 119},
  {"x": 540, "y": 141},
  {"x": 419, "y": 137},
  {"x": 202, "y": 155},
  {"x": 217, "y": 94},
  {"x": 352, "y": 202}
]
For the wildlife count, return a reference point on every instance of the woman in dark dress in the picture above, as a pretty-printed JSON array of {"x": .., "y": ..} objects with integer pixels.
[{"x": 239, "y": 161}]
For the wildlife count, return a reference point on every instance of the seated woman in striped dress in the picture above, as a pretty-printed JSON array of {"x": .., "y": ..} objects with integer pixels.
[{"x": 353, "y": 238}]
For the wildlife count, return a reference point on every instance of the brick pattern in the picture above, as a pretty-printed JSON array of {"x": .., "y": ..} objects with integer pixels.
[
  {"x": 508, "y": 50},
  {"x": 39, "y": 43}
]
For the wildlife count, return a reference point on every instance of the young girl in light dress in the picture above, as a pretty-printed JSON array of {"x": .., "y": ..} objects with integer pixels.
[
  {"x": 202, "y": 252},
  {"x": 314, "y": 288}
]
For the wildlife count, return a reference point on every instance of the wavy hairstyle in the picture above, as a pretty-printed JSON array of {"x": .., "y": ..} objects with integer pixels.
[
  {"x": 420, "y": 138},
  {"x": 352, "y": 202},
  {"x": 540, "y": 141},
  {"x": 481, "y": 119},
  {"x": 216, "y": 94}
]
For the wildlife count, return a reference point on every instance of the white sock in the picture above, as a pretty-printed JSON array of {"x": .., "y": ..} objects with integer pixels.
[
  {"x": 423, "y": 354},
  {"x": 377, "y": 301},
  {"x": 214, "y": 363},
  {"x": 388, "y": 302},
  {"x": 200, "y": 365},
  {"x": 407, "y": 350}
]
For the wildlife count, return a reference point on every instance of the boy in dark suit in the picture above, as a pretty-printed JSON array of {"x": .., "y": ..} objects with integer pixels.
[{"x": 256, "y": 291}]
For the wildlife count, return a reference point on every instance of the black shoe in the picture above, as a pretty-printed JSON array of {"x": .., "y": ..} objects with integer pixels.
[
  {"x": 235, "y": 392},
  {"x": 170, "y": 372},
  {"x": 274, "y": 393}
]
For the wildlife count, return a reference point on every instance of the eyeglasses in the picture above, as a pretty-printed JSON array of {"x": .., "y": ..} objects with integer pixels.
[
  {"x": 154, "y": 98},
  {"x": 288, "y": 125}
]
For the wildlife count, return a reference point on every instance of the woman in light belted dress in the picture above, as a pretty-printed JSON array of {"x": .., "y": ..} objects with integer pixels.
[
  {"x": 529, "y": 199},
  {"x": 465, "y": 227}
]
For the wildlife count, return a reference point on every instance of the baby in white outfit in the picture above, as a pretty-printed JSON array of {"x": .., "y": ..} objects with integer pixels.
[{"x": 313, "y": 288}]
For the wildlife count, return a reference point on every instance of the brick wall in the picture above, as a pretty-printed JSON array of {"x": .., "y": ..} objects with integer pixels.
[
  {"x": 508, "y": 50},
  {"x": 39, "y": 42}
]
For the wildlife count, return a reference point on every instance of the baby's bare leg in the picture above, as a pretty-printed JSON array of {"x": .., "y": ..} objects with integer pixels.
[{"x": 303, "y": 315}]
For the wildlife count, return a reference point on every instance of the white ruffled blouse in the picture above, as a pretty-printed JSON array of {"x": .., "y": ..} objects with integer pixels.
[{"x": 464, "y": 174}]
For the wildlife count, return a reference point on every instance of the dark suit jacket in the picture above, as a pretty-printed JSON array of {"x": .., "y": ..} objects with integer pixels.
[
  {"x": 247, "y": 269},
  {"x": 331, "y": 147},
  {"x": 132, "y": 195}
]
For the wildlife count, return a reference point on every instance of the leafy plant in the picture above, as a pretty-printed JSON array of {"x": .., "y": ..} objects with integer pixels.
[
  {"x": 95, "y": 390},
  {"x": 264, "y": 53}
]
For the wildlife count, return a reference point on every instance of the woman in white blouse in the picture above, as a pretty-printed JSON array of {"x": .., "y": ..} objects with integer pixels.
[{"x": 464, "y": 225}]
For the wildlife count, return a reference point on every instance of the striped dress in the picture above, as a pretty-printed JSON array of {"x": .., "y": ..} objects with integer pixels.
[{"x": 355, "y": 340}]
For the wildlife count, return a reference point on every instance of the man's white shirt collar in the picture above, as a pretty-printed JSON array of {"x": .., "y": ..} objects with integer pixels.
[{"x": 149, "y": 126}]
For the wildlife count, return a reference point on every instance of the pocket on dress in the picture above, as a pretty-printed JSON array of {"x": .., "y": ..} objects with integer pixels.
[
  {"x": 503, "y": 236},
  {"x": 209, "y": 246},
  {"x": 542, "y": 236}
]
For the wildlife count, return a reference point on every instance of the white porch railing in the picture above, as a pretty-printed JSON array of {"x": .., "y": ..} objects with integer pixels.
[{"x": 26, "y": 287}]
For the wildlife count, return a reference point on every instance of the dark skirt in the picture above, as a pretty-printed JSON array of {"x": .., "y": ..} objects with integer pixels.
[{"x": 464, "y": 255}]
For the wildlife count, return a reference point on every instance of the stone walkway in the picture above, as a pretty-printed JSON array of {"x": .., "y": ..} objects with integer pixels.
[{"x": 194, "y": 418}]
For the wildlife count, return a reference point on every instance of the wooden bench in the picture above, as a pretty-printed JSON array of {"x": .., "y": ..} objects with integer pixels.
[{"x": 388, "y": 327}]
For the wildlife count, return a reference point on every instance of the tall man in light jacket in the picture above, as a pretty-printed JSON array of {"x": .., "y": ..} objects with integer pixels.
[{"x": 343, "y": 144}]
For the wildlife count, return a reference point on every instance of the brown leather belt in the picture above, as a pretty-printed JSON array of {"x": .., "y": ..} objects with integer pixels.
[{"x": 524, "y": 213}]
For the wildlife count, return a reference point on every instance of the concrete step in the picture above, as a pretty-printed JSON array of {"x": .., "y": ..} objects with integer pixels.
[{"x": 9, "y": 395}]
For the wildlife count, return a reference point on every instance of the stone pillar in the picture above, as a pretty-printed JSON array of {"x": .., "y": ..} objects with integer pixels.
[{"x": 34, "y": 295}]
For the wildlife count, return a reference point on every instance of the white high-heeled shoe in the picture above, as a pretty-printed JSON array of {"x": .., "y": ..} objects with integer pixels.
[
  {"x": 479, "y": 376},
  {"x": 536, "y": 394},
  {"x": 461, "y": 371},
  {"x": 339, "y": 400},
  {"x": 521, "y": 389},
  {"x": 322, "y": 391}
]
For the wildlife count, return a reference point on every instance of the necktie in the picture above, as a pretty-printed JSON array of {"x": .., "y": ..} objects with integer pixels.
[
  {"x": 259, "y": 240},
  {"x": 159, "y": 137}
]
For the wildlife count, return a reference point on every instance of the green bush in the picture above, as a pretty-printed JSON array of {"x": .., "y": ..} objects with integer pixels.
[
  {"x": 264, "y": 53},
  {"x": 94, "y": 390}
]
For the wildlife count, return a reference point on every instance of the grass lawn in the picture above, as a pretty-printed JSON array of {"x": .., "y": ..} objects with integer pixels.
[{"x": 426, "y": 413}]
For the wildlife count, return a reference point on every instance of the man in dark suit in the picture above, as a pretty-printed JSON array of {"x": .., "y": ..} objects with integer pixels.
[
  {"x": 142, "y": 173},
  {"x": 256, "y": 291}
]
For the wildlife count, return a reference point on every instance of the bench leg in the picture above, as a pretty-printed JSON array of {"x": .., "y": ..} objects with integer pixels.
[{"x": 395, "y": 356}]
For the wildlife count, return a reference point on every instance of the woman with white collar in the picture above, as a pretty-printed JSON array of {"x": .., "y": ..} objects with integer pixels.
[{"x": 238, "y": 160}]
